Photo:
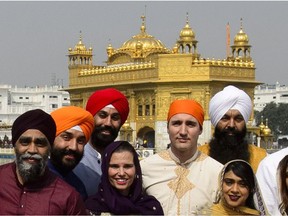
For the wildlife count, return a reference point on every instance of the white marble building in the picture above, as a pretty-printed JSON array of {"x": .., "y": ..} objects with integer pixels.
[
  {"x": 264, "y": 94},
  {"x": 14, "y": 101}
]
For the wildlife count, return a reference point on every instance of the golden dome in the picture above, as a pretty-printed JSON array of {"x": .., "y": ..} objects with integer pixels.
[
  {"x": 187, "y": 32},
  {"x": 175, "y": 48},
  {"x": 267, "y": 130},
  {"x": 262, "y": 125},
  {"x": 143, "y": 41},
  {"x": 80, "y": 46},
  {"x": 241, "y": 37},
  {"x": 109, "y": 47},
  {"x": 109, "y": 50}
]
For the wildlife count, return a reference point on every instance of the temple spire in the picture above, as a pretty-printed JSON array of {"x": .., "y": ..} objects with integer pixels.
[{"x": 143, "y": 26}]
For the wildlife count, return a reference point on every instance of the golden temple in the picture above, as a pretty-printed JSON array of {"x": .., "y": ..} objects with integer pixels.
[{"x": 152, "y": 76}]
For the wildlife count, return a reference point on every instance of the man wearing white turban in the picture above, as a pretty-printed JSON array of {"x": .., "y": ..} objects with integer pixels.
[{"x": 229, "y": 111}]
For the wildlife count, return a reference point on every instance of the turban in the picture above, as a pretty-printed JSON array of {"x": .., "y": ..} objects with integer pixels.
[
  {"x": 229, "y": 98},
  {"x": 70, "y": 116},
  {"x": 190, "y": 107},
  {"x": 101, "y": 98},
  {"x": 34, "y": 119}
]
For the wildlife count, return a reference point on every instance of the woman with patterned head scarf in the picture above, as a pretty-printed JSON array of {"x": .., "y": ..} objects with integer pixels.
[{"x": 238, "y": 192}]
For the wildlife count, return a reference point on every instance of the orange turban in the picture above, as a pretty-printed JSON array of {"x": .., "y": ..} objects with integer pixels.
[
  {"x": 188, "y": 107},
  {"x": 101, "y": 98},
  {"x": 70, "y": 116}
]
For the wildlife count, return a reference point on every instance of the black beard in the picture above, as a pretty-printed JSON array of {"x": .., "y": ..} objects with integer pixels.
[
  {"x": 30, "y": 172},
  {"x": 224, "y": 147},
  {"x": 99, "y": 140},
  {"x": 57, "y": 156}
]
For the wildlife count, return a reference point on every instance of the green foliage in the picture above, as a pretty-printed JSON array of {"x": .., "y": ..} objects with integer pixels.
[{"x": 277, "y": 116}]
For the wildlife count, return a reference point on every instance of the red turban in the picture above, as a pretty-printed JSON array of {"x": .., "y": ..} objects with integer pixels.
[
  {"x": 188, "y": 107},
  {"x": 34, "y": 119},
  {"x": 70, "y": 116},
  {"x": 101, "y": 98}
]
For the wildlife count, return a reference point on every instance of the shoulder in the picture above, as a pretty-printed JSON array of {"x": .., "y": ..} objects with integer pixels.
[
  {"x": 257, "y": 153},
  {"x": 256, "y": 156},
  {"x": 156, "y": 162},
  {"x": 6, "y": 166},
  {"x": 89, "y": 151},
  {"x": 217, "y": 209},
  {"x": 156, "y": 158},
  {"x": 204, "y": 148},
  {"x": 210, "y": 162},
  {"x": 254, "y": 148},
  {"x": 149, "y": 160},
  {"x": 278, "y": 155},
  {"x": 90, "y": 162},
  {"x": 68, "y": 194},
  {"x": 274, "y": 158},
  {"x": 62, "y": 186},
  {"x": 9, "y": 171}
]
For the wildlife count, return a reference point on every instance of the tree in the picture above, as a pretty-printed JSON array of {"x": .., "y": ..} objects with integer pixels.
[{"x": 277, "y": 115}]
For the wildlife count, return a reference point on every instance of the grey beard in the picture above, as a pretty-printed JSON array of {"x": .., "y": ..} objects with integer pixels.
[{"x": 31, "y": 172}]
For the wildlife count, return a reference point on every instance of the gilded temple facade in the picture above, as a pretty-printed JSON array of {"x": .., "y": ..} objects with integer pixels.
[{"x": 152, "y": 76}]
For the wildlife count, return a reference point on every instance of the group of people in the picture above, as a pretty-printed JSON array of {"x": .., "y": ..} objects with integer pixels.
[{"x": 68, "y": 162}]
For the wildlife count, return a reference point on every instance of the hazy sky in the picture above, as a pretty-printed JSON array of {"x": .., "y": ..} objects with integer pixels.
[{"x": 35, "y": 36}]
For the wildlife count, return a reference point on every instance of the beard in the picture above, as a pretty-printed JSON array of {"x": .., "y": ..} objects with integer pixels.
[
  {"x": 64, "y": 166},
  {"x": 225, "y": 147},
  {"x": 31, "y": 172},
  {"x": 100, "y": 140}
]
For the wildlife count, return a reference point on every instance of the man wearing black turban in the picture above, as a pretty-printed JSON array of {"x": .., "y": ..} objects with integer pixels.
[
  {"x": 27, "y": 185},
  {"x": 38, "y": 127}
]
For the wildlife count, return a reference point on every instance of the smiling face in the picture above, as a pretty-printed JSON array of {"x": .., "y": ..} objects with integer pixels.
[
  {"x": 32, "y": 150},
  {"x": 68, "y": 149},
  {"x": 107, "y": 126},
  {"x": 121, "y": 171},
  {"x": 235, "y": 191}
]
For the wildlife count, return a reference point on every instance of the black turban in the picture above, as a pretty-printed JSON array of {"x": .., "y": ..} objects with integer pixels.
[{"x": 34, "y": 119}]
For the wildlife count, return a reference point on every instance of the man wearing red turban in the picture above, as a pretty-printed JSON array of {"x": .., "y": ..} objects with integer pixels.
[
  {"x": 110, "y": 109},
  {"x": 74, "y": 126},
  {"x": 181, "y": 177}
]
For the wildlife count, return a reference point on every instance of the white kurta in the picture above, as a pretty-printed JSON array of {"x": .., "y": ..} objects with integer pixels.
[
  {"x": 182, "y": 189},
  {"x": 266, "y": 176}
]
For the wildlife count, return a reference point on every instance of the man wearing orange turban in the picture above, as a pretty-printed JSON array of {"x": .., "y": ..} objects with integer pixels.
[
  {"x": 110, "y": 109},
  {"x": 176, "y": 175},
  {"x": 74, "y": 126}
]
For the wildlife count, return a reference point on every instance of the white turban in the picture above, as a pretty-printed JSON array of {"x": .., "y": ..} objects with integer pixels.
[{"x": 229, "y": 98}]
